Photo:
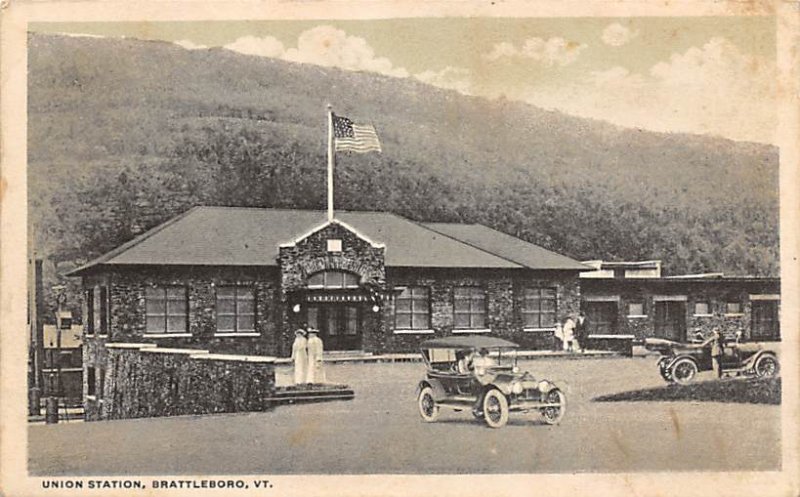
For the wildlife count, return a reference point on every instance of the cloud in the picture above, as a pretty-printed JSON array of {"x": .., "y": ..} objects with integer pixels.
[
  {"x": 617, "y": 35},
  {"x": 189, "y": 45},
  {"x": 322, "y": 46},
  {"x": 453, "y": 78},
  {"x": 710, "y": 89},
  {"x": 80, "y": 35},
  {"x": 555, "y": 51},
  {"x": 267, "y": 46}
]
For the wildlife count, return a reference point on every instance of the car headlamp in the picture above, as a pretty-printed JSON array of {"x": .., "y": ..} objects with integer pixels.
[
  {"x": 544, "y": 386},
  {"x": 516, "y": 388}
]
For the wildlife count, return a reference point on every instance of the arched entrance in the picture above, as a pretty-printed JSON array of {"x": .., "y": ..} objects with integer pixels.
[{"x": 335, "y": 305}]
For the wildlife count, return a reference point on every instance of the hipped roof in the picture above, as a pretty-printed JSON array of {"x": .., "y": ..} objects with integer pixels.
[
  {"x": 507, "y": 246},
  {"x": 235, "y": 236}
]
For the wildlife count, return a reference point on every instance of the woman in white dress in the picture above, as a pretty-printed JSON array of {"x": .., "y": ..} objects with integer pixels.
[
  {"x": 569, "y": 334},
  {"x": 315, "y": 372},
  {"x": 300, "y": 356}
]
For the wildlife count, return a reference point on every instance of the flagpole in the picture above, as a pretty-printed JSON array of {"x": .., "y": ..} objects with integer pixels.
[{"x": 331, "y": 159}]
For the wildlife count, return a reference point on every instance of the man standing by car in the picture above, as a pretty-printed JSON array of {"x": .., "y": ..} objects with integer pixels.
[
  {"x": 717, "y": 349},
  {"x": 479, "y": 363}
]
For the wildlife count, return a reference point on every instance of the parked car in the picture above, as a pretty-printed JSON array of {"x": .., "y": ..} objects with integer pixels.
[
  {"x": 680, "y": 362},
  {"x": 489, "y": 389}
]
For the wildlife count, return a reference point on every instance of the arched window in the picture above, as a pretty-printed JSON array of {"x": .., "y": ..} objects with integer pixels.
[{"x": 333, "y": 279}]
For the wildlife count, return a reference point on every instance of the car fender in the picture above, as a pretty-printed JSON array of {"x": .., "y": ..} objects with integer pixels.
[
  {"x": 438, "y": 390},
  {"x": 673, "y": 360},
  {"x": 750, "y": 363},
  {"x": 503, "y": 386}
]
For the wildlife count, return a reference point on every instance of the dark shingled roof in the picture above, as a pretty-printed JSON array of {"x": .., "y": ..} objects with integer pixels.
[
  {"x": 508, "y": 247},
  {"x": 236, "y": 236}
]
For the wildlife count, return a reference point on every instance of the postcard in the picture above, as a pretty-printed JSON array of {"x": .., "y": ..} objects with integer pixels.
[{"x": 399, "y": 248}]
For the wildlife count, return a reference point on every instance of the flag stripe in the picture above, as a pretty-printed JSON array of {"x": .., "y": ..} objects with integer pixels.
[{"x": 359, "y": 138}]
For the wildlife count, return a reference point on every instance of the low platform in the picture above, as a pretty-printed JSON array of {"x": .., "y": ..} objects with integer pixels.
[{"x": 311, "y": 393}]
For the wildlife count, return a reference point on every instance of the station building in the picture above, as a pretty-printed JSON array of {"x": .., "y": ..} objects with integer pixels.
[
  {"x": 241, "y": 280},
  {"x": 634, "y": 299}
]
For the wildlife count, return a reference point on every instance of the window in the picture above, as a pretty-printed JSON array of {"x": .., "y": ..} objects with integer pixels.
[
  {"x": 101, "y": 389},
  {"x": 765, "y": 320},
  {"x": 166, "y": 309},
  {"x": 312, "y": 317},
  {"x": 351, "y": 320},
  {"x": 469, "y": 308},
  {"x": 236, "y": 309},
  {"x": 334, "y": 245},
  {"x": 333, "y": 279},
  {"x": 103, "y": 310},
  {"x": 636, "y": 309},
  {"x": 733, "y": 308},
  {"x": 90, "y": 381},
  {"x": 702, "y": 309},
  {"x": 89, "y": 312},
  {"x": 412, "y": 310},
  {"x": 539, "y": 308}
]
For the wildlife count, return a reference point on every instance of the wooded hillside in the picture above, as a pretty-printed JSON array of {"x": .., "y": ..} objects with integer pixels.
[{"x": 124, "y": 134}]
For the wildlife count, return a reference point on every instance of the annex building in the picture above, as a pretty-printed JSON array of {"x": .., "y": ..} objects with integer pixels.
[
  {"x": 634, "y": 299},
  {"x": 241, "y": 280}
]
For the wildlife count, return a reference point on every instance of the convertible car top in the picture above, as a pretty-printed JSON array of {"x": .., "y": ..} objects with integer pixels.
[{"x": 468, "y": 342}]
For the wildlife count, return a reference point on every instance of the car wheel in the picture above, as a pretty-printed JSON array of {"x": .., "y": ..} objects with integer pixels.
[
  {"x": 427, "y": 406},
  {"x": 495, "y": 409},
  {"x": 767, "y": 366},
  {"x": 553, "y": 415},
  {"x": 683, "y": 371}
]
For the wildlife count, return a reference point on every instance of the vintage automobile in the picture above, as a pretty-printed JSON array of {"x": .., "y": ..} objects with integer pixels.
[
  {"x": 680, "y": 362},
  {"x": 490, "y": 392}
]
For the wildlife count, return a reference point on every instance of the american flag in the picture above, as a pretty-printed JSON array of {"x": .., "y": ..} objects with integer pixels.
[{"x": 359, "y": 138}]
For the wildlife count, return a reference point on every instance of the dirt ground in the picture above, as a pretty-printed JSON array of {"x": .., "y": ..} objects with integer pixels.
[{"x": 380, "y": 432}]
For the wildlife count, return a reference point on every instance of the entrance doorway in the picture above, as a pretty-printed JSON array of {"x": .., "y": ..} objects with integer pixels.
[
  {"x": 339, "y": 325},
  {"x": 670, "y": 322}
]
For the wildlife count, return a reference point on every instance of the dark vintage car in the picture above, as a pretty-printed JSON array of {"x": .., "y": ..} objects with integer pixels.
[
  {"x": 489, "y": 391},
  {"x": 680, "y": 362}
]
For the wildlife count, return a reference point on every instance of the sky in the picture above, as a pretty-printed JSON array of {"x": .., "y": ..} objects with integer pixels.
[{"x": 699, "y": 75}]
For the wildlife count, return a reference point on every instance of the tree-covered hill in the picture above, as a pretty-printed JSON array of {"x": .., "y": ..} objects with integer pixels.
[{"x": 123, "y": 134}]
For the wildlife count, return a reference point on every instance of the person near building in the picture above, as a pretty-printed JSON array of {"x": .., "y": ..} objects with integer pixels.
[
  {"x": 558, "y": 337},
  {"x": 316, "y": 373},
  {"x": 569, "y": 334},
  {"x": 581, "y": 331},
  {"x": 300, "y": 356},
  {"x": 717, "y": 350}
]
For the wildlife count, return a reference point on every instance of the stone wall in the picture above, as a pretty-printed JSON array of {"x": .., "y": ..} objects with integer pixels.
[
  {"x": 504, "y": 293},
  {"x": 141, "y": 380},
  {"x": 127, "y": 311},
  {"x": 309, "y": 255},
  {"x": 716, "y": 292}
]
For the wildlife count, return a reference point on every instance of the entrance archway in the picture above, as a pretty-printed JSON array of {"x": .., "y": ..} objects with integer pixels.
[{"x": 335, "y": 304}]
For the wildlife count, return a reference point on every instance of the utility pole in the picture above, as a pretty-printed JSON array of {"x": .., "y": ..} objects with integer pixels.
[
  {"x": 61, "y": 296},
  {"x": 36, "y": 322},
  {"x": 51, "y": 414}
]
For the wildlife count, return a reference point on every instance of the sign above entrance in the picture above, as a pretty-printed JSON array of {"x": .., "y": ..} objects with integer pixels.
[{"x": 337, "y": 298}]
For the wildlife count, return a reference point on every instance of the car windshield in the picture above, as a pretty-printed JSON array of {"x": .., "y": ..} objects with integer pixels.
[{"x": 459, "y": 360}]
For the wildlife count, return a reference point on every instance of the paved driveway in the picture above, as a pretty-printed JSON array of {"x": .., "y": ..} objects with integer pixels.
[{"x": 381, "y": 432}]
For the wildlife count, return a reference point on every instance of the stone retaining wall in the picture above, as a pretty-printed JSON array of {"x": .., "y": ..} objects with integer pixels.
[{"x": 142, "y": 380}]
